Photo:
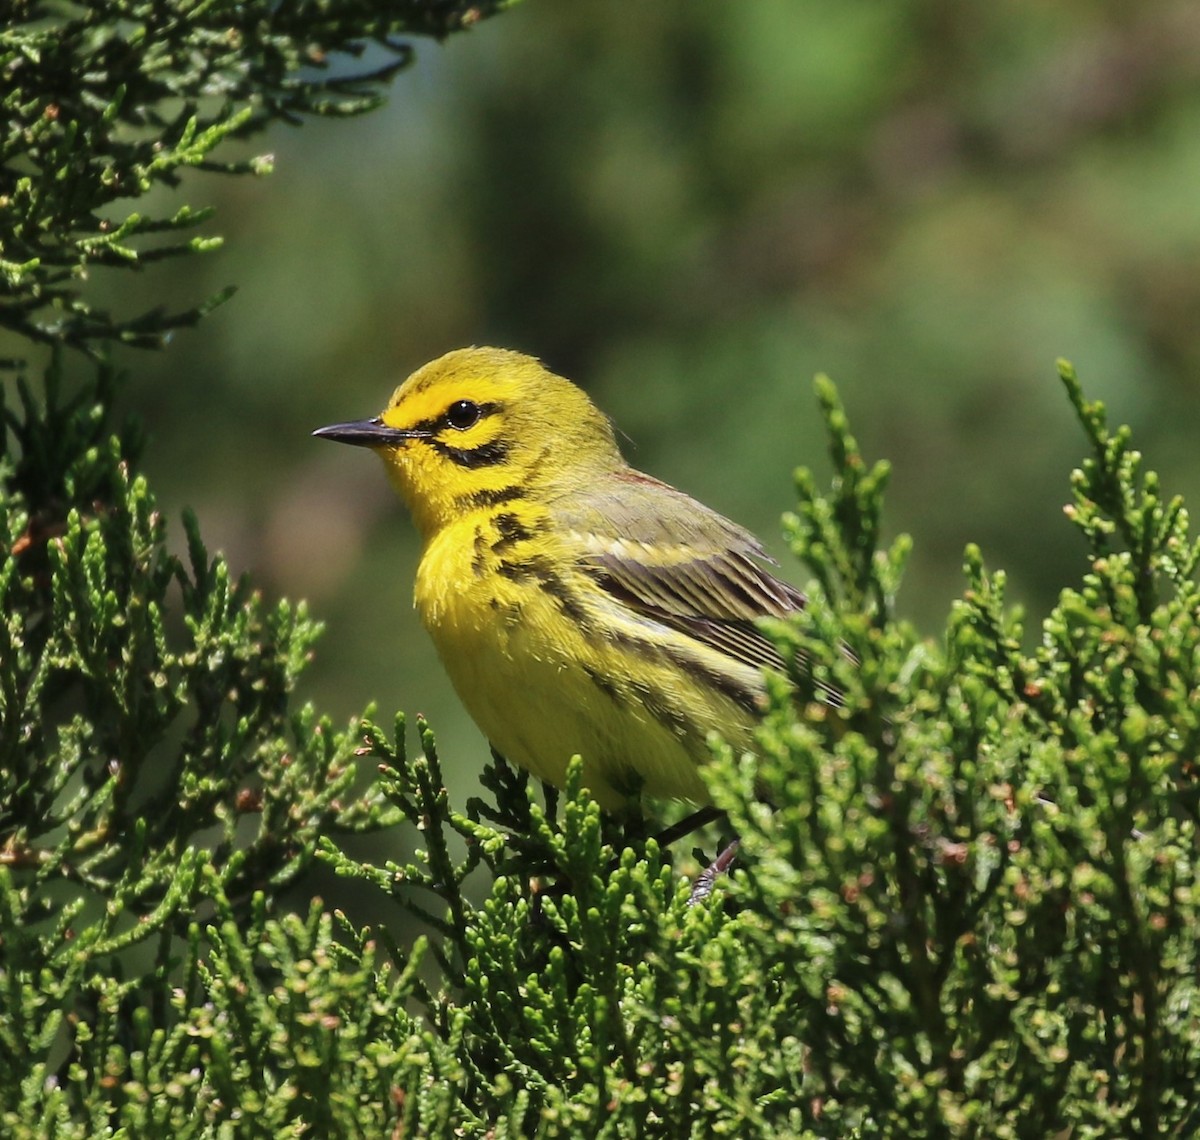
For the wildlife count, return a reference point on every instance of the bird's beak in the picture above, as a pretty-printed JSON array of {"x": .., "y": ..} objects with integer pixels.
[{"x": 366, "y": 433}]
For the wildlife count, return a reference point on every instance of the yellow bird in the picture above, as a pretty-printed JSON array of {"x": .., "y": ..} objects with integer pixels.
[{"x": 579, "y": 606}]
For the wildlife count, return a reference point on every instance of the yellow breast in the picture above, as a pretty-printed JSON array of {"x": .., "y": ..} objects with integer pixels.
[{"x": 550, "y": 667}]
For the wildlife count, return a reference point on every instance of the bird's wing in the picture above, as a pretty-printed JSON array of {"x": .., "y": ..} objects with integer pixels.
[{"x": 672, "y": 560}]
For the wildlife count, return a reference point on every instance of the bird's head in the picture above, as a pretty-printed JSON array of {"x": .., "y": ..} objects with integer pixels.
[{"x": 480, "y": 426}]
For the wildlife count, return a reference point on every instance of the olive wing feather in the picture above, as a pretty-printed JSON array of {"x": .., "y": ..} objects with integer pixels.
[{"x": 676, "y": 562}]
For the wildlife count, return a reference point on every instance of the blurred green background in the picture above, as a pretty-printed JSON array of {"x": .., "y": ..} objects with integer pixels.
[{"x": 690, "y": 209}]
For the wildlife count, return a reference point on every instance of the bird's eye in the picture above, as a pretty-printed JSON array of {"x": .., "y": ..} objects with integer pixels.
[{"x": 462, "y": 414}]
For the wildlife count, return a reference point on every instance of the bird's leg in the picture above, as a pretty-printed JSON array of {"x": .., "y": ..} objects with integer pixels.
[
  {"x": 688, "y": 824},
  {"x": 717, "y": 867}
]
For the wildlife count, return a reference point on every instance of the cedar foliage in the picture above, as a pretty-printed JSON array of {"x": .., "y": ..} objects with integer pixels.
[{"x": 970, "y": 911}]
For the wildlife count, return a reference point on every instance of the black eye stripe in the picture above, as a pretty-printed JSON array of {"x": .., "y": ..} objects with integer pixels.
[{"x": 436, "y": 424}]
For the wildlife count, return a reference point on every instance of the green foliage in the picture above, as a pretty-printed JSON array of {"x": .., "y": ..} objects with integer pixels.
[
  {"x": 110, "y": 100},
  {"x": 969, "y": 910},
  {"x": 151, "y": 769},
  {"x": 991, "y": 875}
]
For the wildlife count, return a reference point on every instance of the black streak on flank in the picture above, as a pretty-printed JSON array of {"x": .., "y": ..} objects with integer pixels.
[
  {"x": 511, "y": 530},
  {"x": 605, "y": 684},
  {"x": 655, "y": 704},
  {"x": 567, "y": 602},
  {"x": 541, "y": 571},
  {"x": 508, "y": 612},
  {"x": 659, "y": 706},
  {"x": 479, "y": 559},
  {"x": 748, "y": 699},
  {"x": 728, "y": 687}
]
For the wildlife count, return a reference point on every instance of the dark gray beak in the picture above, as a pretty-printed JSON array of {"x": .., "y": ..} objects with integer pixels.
[{"x": 365, "y": 433}]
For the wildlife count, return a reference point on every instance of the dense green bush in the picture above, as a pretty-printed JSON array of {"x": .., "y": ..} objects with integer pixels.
[{"x": 970, "y": 911}]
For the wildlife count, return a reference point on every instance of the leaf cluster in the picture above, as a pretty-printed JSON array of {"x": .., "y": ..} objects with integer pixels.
[
  {"x": 108, "y": 101},
  {"x": 985, "y": 878},
  {"x": 152, "y": 768}
]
